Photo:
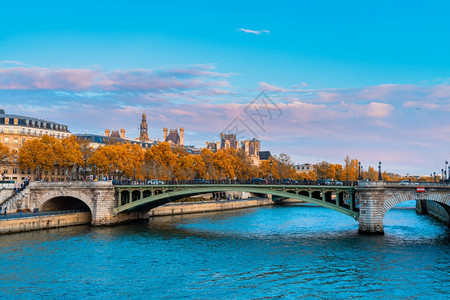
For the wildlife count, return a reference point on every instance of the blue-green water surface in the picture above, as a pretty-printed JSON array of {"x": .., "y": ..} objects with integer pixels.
[{"x": 268, "y": 252}]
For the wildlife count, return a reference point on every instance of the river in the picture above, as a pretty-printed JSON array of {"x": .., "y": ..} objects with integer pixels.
[{"x": 267, "y": 252}]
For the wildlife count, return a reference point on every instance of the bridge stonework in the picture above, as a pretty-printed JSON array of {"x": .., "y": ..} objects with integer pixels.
[
  {"x": 372, "y": 201},
  {"x": 100, "y": 197},
  {"x": 377, "y": 198}
]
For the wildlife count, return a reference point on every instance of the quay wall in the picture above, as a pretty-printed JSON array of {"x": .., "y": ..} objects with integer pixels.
[
  {"x": 207, "y": 206},
  {"x": 437, "y": 211},
  {"x": 43, "y": 222}
]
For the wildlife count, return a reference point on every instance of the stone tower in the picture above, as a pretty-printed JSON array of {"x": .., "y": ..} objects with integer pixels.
[
  {"x": 181, "y": 136},
  {"x": 143, "y": 136}
]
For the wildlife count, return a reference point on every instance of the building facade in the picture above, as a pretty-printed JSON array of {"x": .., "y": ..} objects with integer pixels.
[
  {"x": 173, "y": 137},
  {"x": 15, "y": 130}
]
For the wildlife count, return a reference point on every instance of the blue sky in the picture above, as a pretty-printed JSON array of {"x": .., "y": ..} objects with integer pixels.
[{"x": 367, "y": 79}]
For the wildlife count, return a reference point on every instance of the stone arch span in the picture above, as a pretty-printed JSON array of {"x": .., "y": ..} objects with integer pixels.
[
  {"x": 389, "y": 203},
  {"x": 57, "y": 193}
]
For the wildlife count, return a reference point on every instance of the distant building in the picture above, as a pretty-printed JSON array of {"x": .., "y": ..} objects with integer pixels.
[
  {"x": 228, "y": 141},
  {"x": 303, "y": 168},
  {"x": 15, "y": 130},
  {"x": 251, "y": 147},
  {"x": 174, "y": 137},
  {"x": 264, "y": 155},
  {"x": 112, "y": 137},
  {"x": 213, "y": 146}
]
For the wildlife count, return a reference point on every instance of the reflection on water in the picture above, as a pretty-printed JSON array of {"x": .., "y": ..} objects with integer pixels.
[{"x": 281, "y": 251}]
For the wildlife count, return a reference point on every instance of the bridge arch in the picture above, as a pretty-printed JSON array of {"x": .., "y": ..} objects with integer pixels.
[
  {"x": 412, "y": 195},
  {"x": 157, "y": 199},
  {"x": 70, "y": 195}
]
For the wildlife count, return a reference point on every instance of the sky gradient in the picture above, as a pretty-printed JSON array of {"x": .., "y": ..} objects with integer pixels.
[{"x": 368, "y": 80}]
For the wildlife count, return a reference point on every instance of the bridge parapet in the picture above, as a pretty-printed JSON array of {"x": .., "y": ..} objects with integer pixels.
[
  {"x": 412, "y": 184},
  {"x": 71, "y": 184}
]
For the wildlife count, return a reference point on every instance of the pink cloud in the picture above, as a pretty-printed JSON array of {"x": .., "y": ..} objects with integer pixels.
[
  {"x": 20, "y": 78},
  {"x": 196, "y": 77}
]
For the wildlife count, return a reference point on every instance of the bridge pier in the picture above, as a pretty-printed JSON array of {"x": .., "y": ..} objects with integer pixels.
[{"x": 370, "y": 210}]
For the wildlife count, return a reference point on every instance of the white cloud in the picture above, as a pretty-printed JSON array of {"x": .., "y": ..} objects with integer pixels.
[{"x": 257, "y": 32}]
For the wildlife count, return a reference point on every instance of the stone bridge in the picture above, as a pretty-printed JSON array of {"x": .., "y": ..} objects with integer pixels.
[{"x": 109, "y": 204}]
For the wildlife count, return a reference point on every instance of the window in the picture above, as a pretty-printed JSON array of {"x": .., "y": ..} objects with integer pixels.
[
  {"x": 23, "y": 141},
  {"x": 16, "y": 121},
  {"x": 16, "y": 130},
  {"x": 6, "y": 129},
  {"x": 6, "y": 120},
  {"x": 15, "y": 171},
  {"x": 6, "y": 139},
  {"x": 16, "y": 140}
]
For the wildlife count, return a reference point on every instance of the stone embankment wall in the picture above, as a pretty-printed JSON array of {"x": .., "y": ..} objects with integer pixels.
[
  {"x": 43, "y": 222},
  {"x": 209, "y": 206},
  {"x": 434, "y": 209},
  {"x": 6, "y": 190}
]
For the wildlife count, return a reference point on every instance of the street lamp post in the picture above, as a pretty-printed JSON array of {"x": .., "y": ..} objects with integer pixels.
[
  {"x": 434, "y": 176},
  {"x": 147, "y": 172},
  {"x": 380, "y": 178},
  {"x": 279, "y": 171},
  {"x": 448, "y": 173},
  {"x": 359, "y": 171},
  {"x": 445, "y": 170},
  {"x": 37, "y": 173},
  {"x": 194, "y": 171},
  {"x": 134, "y": 174}
]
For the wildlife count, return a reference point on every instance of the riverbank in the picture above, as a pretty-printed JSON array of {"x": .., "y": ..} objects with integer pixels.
[
  {"x": 35, "y": 222},
  {"x": 44, "y": 222},
  {"x": 180, "y": 208}
]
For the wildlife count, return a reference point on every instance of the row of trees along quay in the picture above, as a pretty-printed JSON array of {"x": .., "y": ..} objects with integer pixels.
[{"x": 78, "y": 160}]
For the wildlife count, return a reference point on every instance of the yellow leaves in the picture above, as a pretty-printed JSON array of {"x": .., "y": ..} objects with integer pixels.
[
  {"x": 4, "y": 152},
  {"x": 48, "y": 152}
]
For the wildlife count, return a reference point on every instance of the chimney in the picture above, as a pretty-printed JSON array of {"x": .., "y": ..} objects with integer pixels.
[
  {"x": 122, "y": 133},
  {"x": 165, "y": 134},
  {"x": 181, "y": 136},
  {"x": 107, "y": 132}
]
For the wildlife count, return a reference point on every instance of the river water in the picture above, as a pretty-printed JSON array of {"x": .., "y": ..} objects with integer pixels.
[{"x": 268, "y": 252}]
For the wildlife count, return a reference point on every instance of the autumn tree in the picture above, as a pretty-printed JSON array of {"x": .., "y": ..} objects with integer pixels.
[
  {"x": 107, "y": 159},
  {"x": 370, "y": 174},
  {"x": 86, "y": 149},
  {"x": 67, "y": 153},
  {"x": 161, "y": 161},
  {"x": 351, "y": 169},
  {"x": 133, "y": 160},
  {"x": 4, "y": 152},
  {"x": 269, "y": 169}
]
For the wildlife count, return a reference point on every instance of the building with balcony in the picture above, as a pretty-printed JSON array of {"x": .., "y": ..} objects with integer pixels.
[{"x": 15, "y": 130}]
